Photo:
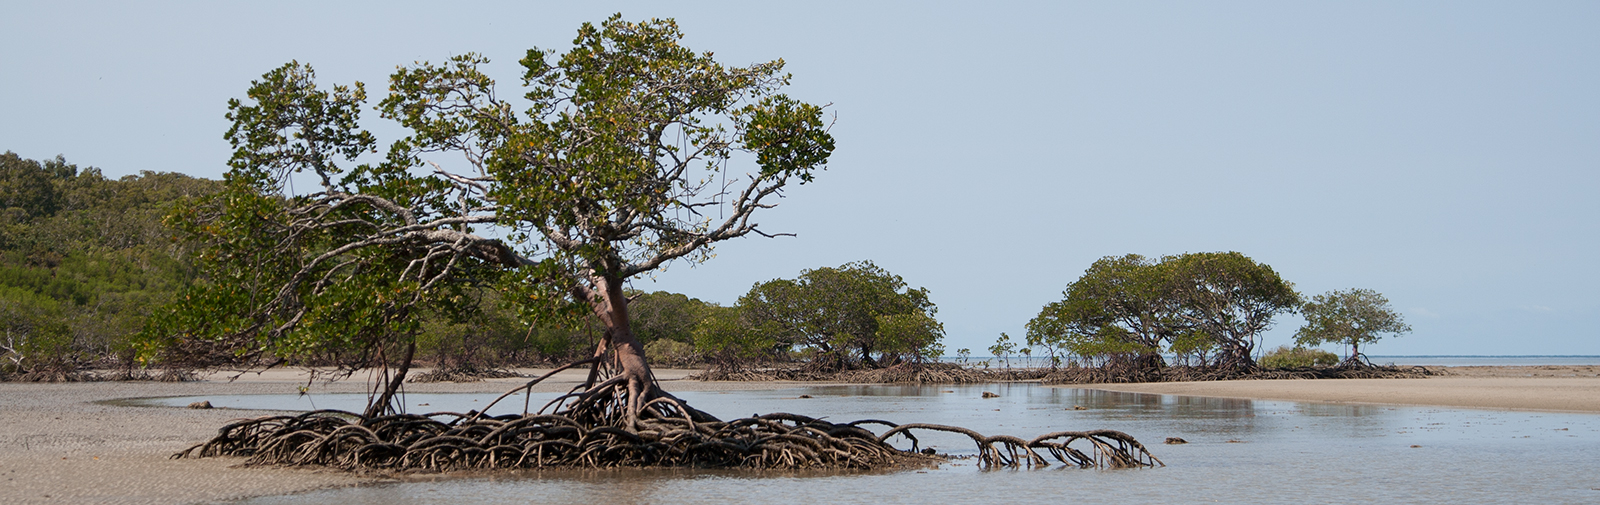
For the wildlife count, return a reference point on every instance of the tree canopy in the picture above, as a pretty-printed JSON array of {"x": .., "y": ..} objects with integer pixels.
[
  {"x": 1352, "y": 317},
  {"x": 626, "y": 155},
  {"x": 1120, "y": 307},
  {"x": 1231, "y": 298},
  {"x": 857, "y": 314},
  {"x": 83, "y": 261},
  {"x": 1131, "y": 309}
]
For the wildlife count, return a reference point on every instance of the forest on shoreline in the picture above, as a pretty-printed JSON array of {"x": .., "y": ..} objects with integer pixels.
[{"x": 86, "y": 260}]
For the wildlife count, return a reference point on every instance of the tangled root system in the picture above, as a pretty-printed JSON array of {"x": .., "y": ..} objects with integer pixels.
[
  {"x": 465, "y": 373},
  {"x": 1106, "y": 375},
  {"x": 68, "y": 374},
  {"x": 781, "y": 441},
  {"x": 602, "y": 426}
]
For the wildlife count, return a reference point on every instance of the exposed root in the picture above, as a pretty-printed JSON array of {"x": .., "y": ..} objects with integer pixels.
[
  {"x": 415, "y": 442},
  {"x": 71, "y": 374},
  {"x": 950, "y": 373},
  {"x": 54, "y": 372},
  {"x": 465, "y": 373},
  {"x": 1112, "y": 449},
  {"x": 905, "y": 373},
  {"x": 1099, "y": 375},
  {"x": 617, "y": 423}
]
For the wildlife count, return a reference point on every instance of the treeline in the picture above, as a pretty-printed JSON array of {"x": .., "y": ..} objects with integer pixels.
[
  {"x": 84, "y": 259},
  {"x": 853, "y": 316},
  {"x": 1129, "y": 313}
]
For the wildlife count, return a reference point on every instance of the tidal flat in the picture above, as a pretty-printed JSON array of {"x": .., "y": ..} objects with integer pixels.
[
  {"x": 1238, "y": 450},
  {"x": 68, "y": 445}
]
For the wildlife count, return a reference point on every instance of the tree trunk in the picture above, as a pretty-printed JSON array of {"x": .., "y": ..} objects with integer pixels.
[
  {"x": 628, "y": 359},
  {"x": 1237, "y": 355},
  {"x": 1151, "y": 361},
  {"x": 392, "y": 387}
]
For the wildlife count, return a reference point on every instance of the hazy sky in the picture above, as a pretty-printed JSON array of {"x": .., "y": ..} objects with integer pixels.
[{"x": 1442, "y": 153}]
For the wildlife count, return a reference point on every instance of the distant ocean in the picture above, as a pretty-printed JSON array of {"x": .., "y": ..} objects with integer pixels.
[
  {"x": 1446, "y": 360},
  {"x": 1420, "y": 360}
]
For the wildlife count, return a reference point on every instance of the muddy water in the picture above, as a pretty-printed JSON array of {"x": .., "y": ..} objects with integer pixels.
[{"x": 1240, "y": 451}]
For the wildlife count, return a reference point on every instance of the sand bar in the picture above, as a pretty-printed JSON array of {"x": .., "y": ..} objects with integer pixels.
[
  {"x": 58, "y": 445},
  {"x": 1536, "y": 388}
]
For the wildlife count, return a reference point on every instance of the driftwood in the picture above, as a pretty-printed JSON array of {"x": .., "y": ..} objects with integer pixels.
[{"x": 591, "y": 427}]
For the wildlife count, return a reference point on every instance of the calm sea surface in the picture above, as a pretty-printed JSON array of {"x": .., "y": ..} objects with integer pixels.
[
  {"x": 1035, "y": 361},
  {"x": 1485, "y": 360},
  {"x": 1240, "y": 451}
]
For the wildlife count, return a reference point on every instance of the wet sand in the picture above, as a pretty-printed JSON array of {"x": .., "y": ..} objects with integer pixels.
[
  {"x": 1563, "y": 388},
  {"x": 59, "y": 444}
]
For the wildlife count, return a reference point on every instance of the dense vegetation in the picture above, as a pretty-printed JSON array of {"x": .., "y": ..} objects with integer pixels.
[
  {"x": 1297, "y": 357},
  {"x": 83, "y": 261},
  {"x": 1129, "y": 311},
  {"x": 86, "y": 259},
  {"x": 857, "y": 315},
  {"x": 1127, "y": 314}
]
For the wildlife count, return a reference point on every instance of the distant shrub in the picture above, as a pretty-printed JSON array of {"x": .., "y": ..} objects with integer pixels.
[
  {"x": 1295, "y": 357},
  {"x": 670, "y": 353}
]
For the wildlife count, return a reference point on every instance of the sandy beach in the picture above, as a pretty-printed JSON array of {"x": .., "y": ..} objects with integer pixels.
[
  {"x": 1563, "y": 388},
  {"x": 62, "y": 444}
]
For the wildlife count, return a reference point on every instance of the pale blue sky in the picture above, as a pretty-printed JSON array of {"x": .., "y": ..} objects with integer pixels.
[{"x": 1442, "y": 153}]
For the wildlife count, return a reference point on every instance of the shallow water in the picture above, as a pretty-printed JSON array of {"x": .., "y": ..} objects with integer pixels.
[
  {"x": 1240, "y": 451},
  {"x": 1377, "y": 359}
]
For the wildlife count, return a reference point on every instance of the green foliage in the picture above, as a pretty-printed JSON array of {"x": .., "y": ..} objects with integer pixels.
[
  {"x": 666, "y": 316},
  {"x": 671, "y": 324},
  {"x": 283, "y": 278},
  {"x": 480, "y": 333},
  {"x": 1194, "y": 345},
  {"x": 1202, "y": 306},
  {"x": 724, "y": 337},
  {"x": 1120, "y": 306},
  {"x": 30, "y": 189},
  {"x": 1297, "y": 357},
  {"x": 628, "y": 139},
  {"x": 854, "y": 314},
  {"x": 617, "y": 153},
  {"x": 1352, "y": 317},
  {"x": 1002, "y": 348},
  {"x": 32, "y": 332},
  {"x": 83, "y": 259},
  {"x": 670, "y": 353},
  {"x": 915, "y": 333},
  {"x": 1231, "y": 298}
]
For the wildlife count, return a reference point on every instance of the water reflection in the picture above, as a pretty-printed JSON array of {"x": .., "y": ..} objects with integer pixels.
[
  {"x": 1240, "y": 451},
  {"x": 1289, "y": 452}
]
